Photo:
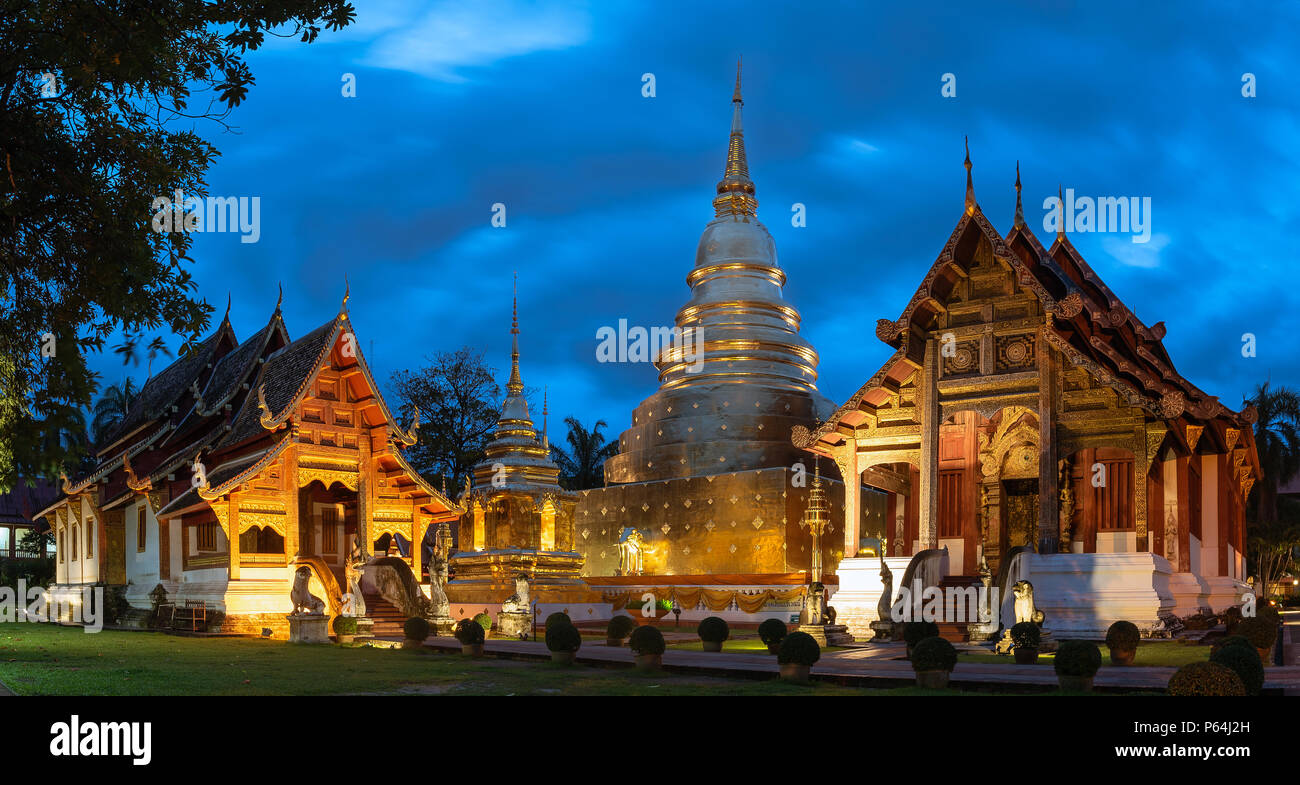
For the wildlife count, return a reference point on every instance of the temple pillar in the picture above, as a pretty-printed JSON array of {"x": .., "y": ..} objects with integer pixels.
[
  {"x": 928, "y": 498},
  {"x": 1183, "y": 514},
  {"x": 1049, "y": 472},
  {"x": 847, "y": 459},
  {"x": 546, "y": 536},
  {"x": 232, "y": 523},
  {"x": 1211, "y": 530},
  {"x": 993, "y": 516},
  {"x": 365, "y": 505},
  {"x": 480, "y": 528}
]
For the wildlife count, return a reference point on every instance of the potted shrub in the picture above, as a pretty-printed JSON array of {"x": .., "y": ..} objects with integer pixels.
[
  {"x": 1076, "y": 664},
  {"x": 1261, "y": 631},
  {"x": 563, "y": 641},
  {"x": 416, "y": 632},
  {"x": 771, "y": 633},
  {"x": 796, "y": 656},
  {"x": 1025, "y": 637},
  {"x": 558, "y": 617},
  {"x": 1205, "y": 678},
  {"x": 485, "y": 621},
  {"x": 933, "y": 660},
  {"x": 618, "y": 629},
  {"x": 470, "y": 635},
  {"x": 1242, "y": 659},
  {"x": 1122, "y": 638},
  {"x": 916, "y": 631},
  {"x": 647, "y": 645},
  {"x": 713, "y": 631},
  {"x": 345, "y": 628}
]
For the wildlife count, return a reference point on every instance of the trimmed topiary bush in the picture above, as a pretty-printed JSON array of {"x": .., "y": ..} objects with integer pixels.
[
  {"x": 558, "y": 617},
  {"x": 345, "y": 625},
  {"x": 1077, "y": 658},
  {"x": 646, "y": 639},
  {"x": 416, "y": 629},
  {"x": 934, "y": 654},
  {"x": 1205, "y": 678},
  {"x": 772, "y": 631},
  {"x": 1123, "y": 635},
  {"x": 485, "y": 621},
  {"x": 916, "y": 631},
  {"x": 798, "y": 648},
  {"x": 713, "y": 630},
  {"x": 563, "y": 637},
  {"x": 1243, "y": 660},
  {"x": 1231, "y": 640},
  {"x": 619, "y": 628},
  {"x": 1259, "y": 630},
  {"x": 469, "y": 632},
  {"x": 1026, "y": 635}
]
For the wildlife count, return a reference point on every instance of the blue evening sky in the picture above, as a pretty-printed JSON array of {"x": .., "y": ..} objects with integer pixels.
[{"x": 540, "y": 107}]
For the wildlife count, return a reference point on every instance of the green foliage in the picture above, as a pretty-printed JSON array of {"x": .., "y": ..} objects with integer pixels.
[
  {"x": 916, "y": 631},
  {"x": 1243, "y": 660},
  {"x": 582, "y": 465},
  {"x": 1123, "y": 635},
  {"x": 90, "y": 93},
  {"x": 1260, "y": 631},
  {"x": 345, "y": 625},
  {"x": 713, "y": 629},
  {"x": 558, "y": 619},
  {"x": 620, "y": 627},
  {"x": 469, "y": 632},
  {"x": 563, "y": 637},
  {"x": 416, "y": 629},
  {"x": 934, "y": 654},
  {"x": 798, "y": 648},
  {"x": 772, "y": 632},
  {"x": 483, "y": 620},
  {"x": 1025, "y": 635},
  {"x": 1205, "y": 678},
  {"x": 459, "y": 402},
  {"x": 1077, "y": 658},
  {"x": 646, "y": 639}
]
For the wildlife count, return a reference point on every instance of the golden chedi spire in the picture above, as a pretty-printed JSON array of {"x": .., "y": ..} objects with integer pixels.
[
  {"x": 516, "y": 385},
  {"x": 1020, "y": 208},
  {"x": 970, "y": 184},
  {"x": 736, "y": 190}
]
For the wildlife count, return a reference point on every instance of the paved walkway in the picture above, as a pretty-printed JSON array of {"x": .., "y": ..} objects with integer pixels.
[{"x": 878, "y": 665}]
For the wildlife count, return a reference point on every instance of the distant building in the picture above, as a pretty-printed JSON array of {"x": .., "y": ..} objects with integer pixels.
[{"x": 20, "y": 513}]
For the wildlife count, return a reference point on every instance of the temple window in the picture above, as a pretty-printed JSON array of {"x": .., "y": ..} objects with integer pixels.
[
  {"x": 60, "y": 548},
  {"x": 1114, "y": 498},
  {"x": 207, "y": 536},
  {"x": 73, "y": 552},
  {"x": 950, "y": 522},
  {"x": 90, "y": 538},
  {"x": 329, "y": 531},
  {"x": 261, "y": 540},
  {"x": 139, "y": 530}
]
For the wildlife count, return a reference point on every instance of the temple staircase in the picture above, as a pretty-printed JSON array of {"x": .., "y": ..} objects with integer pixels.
[{"x": 387, "y": 618}]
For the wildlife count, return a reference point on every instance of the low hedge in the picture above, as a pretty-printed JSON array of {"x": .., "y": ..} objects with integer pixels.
[
  {"x": 345, "y": 625},
  {"x": 772, "y": 631},
  {"x": 563, "y": 637},
  {"x": 483, "y": 620},
  {"x": 798, "y": 648},
  {"x": 934, "y": 654},
  {"x": 1205, "y": 678},
  {"x": 1244, "y": 661},
  {"x": 1259, "y": 630},
  {"x": 1026, "y": 635},
  {"x": 713, "y": 629},
  {"x": 916, "y": 631},
  {"x": 416, "y": 629},
  {"x": 620, "y": 627},
  {"x": 559, "y": 617},
  {"x": 469, "y": 632},
  {"x": 1123, "y": 635},
  {"x": 1078, "y": 658},
  {"x": 646, "y": 639}
]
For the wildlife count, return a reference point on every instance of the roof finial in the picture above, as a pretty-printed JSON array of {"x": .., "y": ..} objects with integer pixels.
[
  {"x": 1060, "y": 205},
  {"x": 347, "y": 293},
  {"x": 516, "y": 385},
  {"x": 1020, "y": 209},
  {"x": 970, "y": 185},
  {"x": 736, "y": 191},
  {"x": 546, "y": 441},
  {"x": 226, "y": 318},
  {"x": 279, "y": 300}
]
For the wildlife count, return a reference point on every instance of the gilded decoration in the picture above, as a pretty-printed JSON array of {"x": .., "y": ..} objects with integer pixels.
[
  {"x": 348, "y": 478},
  {"x": 1014, "y": 437}
]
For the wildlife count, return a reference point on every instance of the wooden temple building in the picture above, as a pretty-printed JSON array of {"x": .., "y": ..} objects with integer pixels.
[
  {"x": 1026, "y": 407},
  {"x": 239, "y": 463}
]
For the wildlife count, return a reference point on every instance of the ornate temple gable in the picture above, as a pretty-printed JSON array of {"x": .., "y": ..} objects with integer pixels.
[{"x": 885, "y": 404}]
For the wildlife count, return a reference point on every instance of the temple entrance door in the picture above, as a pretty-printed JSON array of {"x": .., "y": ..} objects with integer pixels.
[{"x": 1021, "y": 513}]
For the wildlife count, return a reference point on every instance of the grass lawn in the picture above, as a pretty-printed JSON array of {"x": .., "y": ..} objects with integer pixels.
[
  {"x": 42, "y": 659},
  {"x": 1168, "y": 653}
]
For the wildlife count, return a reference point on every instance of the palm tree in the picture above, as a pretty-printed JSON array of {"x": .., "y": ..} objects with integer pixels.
[
  {"x": 112, "y": 406},
  {"x": 583, "y": 464},
  {"x": 1277, "y": 440}
]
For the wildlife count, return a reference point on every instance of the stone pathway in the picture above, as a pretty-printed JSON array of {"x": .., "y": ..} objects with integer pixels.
[{"x": 871, "y": 666}]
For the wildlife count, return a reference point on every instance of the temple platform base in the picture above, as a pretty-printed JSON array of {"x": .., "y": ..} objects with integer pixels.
[
  {"x": 828, "y": 634},
  {"x": 308, "y": 628}
]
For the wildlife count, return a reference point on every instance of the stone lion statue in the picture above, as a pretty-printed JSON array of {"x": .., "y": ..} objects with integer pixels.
[
  {"x": 518, "y": 602},
  {"x": 1025, "y": 610},
  {"x": 304, "y": 602}
]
